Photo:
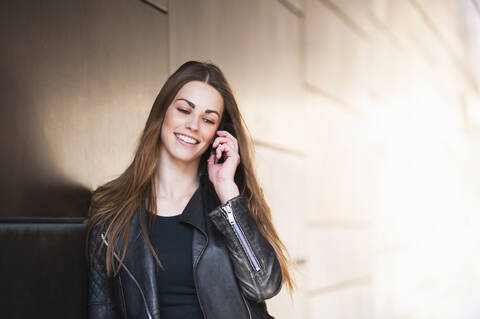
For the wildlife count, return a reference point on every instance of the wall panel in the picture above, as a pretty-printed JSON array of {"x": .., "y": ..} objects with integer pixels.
[{"x": 78, "y": 81}]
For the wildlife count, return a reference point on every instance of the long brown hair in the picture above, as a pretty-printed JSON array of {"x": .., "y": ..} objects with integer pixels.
[{"x": 114, "y": 204}]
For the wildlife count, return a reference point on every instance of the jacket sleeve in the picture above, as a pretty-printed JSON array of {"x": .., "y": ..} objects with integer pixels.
[
  {"x": 254, "y": 260},
  {"x": 100, "y": 287}
]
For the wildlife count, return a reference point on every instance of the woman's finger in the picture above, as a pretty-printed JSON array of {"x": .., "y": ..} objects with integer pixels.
[
  {"x": 210, "y": 158},
  {"x": 223, "y": 140},
  {"x": 228, "y": 135},
  {"x": 226, "y": 141},
  {"x": 219, "y": 150},
  {"x": 228, "y": 150}
]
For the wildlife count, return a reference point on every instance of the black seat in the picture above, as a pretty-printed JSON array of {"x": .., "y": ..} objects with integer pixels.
[{"x": 42, "y": 268}]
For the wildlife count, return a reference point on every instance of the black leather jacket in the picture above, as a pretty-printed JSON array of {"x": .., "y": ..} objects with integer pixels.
[{"x": 235, "y": 268}]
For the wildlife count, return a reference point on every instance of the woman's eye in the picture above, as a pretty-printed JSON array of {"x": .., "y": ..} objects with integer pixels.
[
  {"x": 209, "y": 121},
  {"x": 183, "y": 111}
]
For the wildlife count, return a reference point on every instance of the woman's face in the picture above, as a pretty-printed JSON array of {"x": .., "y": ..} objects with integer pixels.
[{"x": 191, "y": 121}]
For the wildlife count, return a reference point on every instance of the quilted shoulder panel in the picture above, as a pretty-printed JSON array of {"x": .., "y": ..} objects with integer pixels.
[{"x": 101, "y": 303}]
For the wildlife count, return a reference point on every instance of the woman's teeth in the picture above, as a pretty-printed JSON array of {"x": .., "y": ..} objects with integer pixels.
[{"x": 186, "y": 139}]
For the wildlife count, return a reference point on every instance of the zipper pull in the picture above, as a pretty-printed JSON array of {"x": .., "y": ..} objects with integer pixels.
[
  {"x": 103, "y": 238},
  {"x": 228, "y": 211}
]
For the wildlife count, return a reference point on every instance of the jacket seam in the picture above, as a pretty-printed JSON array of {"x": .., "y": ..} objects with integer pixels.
[
  {"x": 134, "y": 280},
  {"x": 247, "y": 306},
  {"x": 122, "y": 296},
  {"x": 195, "y": 266}
]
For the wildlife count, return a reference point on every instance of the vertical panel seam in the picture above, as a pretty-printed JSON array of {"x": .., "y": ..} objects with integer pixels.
[
  {"x": 346, "y": 19},
  {"x": 440, "y": 38}
]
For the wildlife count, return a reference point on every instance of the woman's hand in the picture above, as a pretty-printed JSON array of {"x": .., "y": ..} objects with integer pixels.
[{"x": 222, "y": 175}]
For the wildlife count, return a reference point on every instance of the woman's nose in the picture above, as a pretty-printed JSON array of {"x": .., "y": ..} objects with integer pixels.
[{"x": 192, "y": 123}]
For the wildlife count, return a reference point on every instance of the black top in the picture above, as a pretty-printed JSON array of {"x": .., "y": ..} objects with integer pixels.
[{"x": 172, "y": 240}]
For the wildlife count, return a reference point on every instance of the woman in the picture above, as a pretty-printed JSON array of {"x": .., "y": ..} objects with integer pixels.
[{"x": 185, "y": 231}]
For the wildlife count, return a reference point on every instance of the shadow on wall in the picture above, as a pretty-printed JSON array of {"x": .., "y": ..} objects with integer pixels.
[
  {"x": 62, "y": 65},
  {"x": 39, "y": 41},
  {"x": 30, "y": 184}
]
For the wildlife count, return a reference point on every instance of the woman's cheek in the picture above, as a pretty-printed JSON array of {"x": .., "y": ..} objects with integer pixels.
[{"x": 210, "y": 135}]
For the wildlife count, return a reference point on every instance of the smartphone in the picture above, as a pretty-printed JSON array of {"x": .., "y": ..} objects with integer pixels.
[{"x": 224, "y": 126}]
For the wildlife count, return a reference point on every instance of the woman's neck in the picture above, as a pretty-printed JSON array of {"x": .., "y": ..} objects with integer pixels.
[{"x": 177, "y": 179}]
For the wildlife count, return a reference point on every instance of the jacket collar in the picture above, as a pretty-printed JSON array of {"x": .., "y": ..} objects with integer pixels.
[
  {"x": 205, "y": 197},
  {"x": 192, "y": 214}
]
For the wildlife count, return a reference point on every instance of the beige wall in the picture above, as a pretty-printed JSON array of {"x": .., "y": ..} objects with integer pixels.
[{"x": 392, "y": 217}]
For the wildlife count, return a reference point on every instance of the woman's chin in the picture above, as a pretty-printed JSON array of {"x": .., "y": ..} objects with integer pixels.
[
  {"x": 185, "y": 155},
  {"x": 187, "y": 158}
]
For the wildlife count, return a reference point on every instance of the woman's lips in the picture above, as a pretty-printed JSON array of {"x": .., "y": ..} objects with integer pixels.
[{"x": 186, "y": 140}]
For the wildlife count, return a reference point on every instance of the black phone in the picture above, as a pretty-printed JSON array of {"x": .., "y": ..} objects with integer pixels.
[{"x": 224, "y": 126}]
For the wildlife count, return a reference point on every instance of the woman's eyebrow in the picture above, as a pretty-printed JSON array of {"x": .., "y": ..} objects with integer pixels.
[
  {"x": 189, "y": 102},
  {"x": 192, "y": 105}
]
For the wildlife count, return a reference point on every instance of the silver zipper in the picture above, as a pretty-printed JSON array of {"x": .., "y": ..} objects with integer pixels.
[
  {"x": 133, "y": 278},
  {"x": 227, "y": 210}
]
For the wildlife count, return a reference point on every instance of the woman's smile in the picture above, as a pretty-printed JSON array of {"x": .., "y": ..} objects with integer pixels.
[{"x": 186, "y": 139}]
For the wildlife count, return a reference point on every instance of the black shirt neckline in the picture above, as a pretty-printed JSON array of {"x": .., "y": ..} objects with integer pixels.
[{"x": 190, "y": 204}]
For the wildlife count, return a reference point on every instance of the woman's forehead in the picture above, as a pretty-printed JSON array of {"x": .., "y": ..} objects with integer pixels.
[{"x": 200, "y": 95}]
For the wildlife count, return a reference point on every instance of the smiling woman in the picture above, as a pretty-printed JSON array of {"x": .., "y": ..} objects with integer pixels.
[
  {"x": 191, "y": 121},
  {"x": 210, "y": 249}
]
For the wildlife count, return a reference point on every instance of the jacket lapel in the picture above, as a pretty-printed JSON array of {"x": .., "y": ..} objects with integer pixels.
[
  {"x": 143, "y": 267},
  {"x": 206, "y": 200}
]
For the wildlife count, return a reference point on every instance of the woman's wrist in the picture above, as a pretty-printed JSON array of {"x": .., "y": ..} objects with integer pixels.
[{"x": 226, "y": 191}]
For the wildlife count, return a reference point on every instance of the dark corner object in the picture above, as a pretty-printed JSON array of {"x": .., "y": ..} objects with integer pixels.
[{"x": 42, "y": 261}]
